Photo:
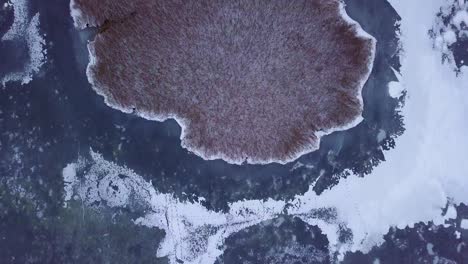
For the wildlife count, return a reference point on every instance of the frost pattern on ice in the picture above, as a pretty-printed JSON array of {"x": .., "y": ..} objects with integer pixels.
[
  {"x": 194, "y": 234},
  {"x": 295, "y": 253},
  {"x": 25, "y": 29}
]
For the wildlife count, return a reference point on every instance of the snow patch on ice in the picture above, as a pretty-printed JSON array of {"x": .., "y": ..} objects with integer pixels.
[
  {"x": 464, "y": 224},
  {"x": 25, "y": 29},
  {"x": 395, "y": 89},
  {"x": 69, "y": 177},
  {"x": 451, "y": 212}
]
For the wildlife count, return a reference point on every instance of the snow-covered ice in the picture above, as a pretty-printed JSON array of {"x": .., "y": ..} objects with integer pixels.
[{"x": 424, "y": 172}]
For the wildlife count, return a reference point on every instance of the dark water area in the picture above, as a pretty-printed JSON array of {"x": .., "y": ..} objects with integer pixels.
[
  {"x": 57, "y": 117},
  {"x": 282, "y": 240},
  {"x": 6, "y": 17},
  {"x": 14, "y": 55},
  {"x": 460, "y": 53}
]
